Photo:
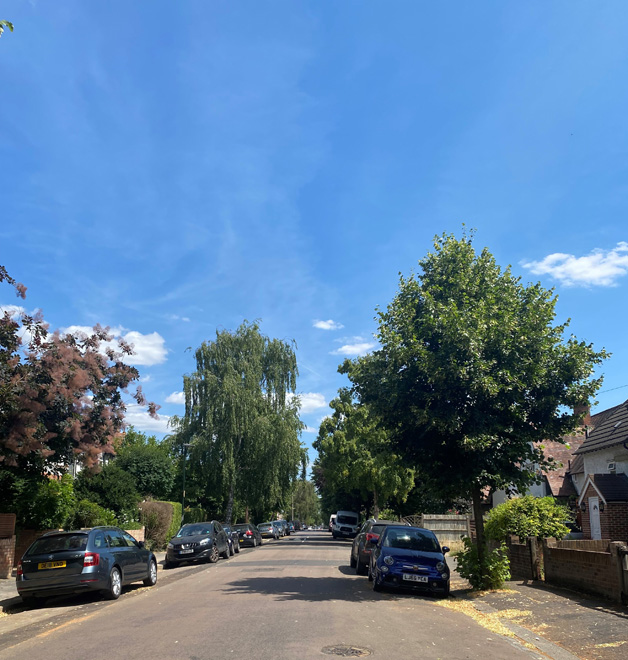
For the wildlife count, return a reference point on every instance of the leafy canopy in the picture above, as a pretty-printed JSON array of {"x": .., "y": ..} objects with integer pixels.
[{"x": 528, "y": 516}]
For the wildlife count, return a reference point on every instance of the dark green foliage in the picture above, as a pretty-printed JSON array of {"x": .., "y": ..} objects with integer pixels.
[
  {"x": 90, "y": 514},
  {"x": 149, "y": 462},
  {"x": 528, "y": 516},
  {"x": 489, "y": 573},
  {"x": 111, "y": 488},
  {"x": 194, "y": 514},
  {"x": 51, "y": 506}
]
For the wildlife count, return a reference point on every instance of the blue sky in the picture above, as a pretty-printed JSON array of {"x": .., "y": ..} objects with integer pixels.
[{"x": 168, "y": 169}]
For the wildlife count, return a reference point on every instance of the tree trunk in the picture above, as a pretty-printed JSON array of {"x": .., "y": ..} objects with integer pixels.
[
  {"x": 229, "y": 511},
  {"x": 479, "y": 523},
  {"x": 375, "y": 505},
  {"x": 246, "y": 514}
]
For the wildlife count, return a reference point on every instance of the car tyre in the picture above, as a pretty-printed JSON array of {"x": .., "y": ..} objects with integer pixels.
[
  {"x": 360, "y": 568},
  {"x": 231, "y": 550},
  {"x": 254, "y": 542},
  {"x": 377, "y": 585},
  {"x": 226, "y": 554},
  {"x": 370, "y": 574},
  {"x": 114, "y": 589},
  {"x": 151, "y": 580},
  {"x": 236, "y": 547},
  {"x": 169, "y": 564},
  {"x": 214, "y": 555},
  {"x": 352, "y": 561},
  {"x": 445, "y": 592}
]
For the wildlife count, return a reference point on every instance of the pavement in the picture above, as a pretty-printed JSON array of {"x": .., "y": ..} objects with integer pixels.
[{"x": 556, "y": 623}]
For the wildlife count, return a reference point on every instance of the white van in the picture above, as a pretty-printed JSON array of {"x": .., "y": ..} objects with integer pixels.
[{"x": 346, "y": 525}]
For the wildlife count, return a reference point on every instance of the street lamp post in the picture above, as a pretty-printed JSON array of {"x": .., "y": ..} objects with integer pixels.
[{"x": 186, "y": 446}]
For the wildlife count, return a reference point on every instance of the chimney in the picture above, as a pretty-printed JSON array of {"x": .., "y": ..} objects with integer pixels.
[{"x": 583, "y": 409}]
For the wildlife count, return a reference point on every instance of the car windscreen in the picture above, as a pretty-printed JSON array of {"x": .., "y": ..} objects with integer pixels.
[
  {"x": 347, "y": 520},
  {"x": 61, "y": 543},
  {"x": 411, "y": 539},
  {"x": 194, "y": 530},
  {"x": 240, "y": 528}
]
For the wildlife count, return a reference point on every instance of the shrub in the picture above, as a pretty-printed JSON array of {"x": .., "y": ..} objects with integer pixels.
[
  {"x": 151, "y": 468},
  {"x": 111, "y": 488},
  {"x": 494, "y": 572},
  {"x": 90, "y": 514},
  {"x": 52, "y": 504},
  {"x": 194, "y": 514},
  {"x": 161, "y": 520},
  {"x": 175, "y": 524},
  {"x": 527, "y": 516}
]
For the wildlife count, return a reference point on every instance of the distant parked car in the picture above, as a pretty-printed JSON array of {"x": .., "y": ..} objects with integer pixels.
[
  {"x": 206, "y": 541},
  {"x": 281, "y": 530},
  {"x": 409, "y": 557},
  {"x": 234, "y": 539},
  {"x": 268, "y": 530},
  {"x": 98, "y": 559},
  {"x": 362, "y": 546},
  {"x": 248, "y": 534}
]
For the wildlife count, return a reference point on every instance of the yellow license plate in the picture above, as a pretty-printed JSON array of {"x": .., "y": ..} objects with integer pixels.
[{"x": 51, "y": 564}]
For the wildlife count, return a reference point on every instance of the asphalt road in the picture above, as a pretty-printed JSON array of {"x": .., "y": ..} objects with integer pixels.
[{"x": 287, "y": 599}]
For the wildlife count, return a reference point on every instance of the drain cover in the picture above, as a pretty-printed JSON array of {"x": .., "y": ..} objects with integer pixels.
[{"x": 346, "y": 651}]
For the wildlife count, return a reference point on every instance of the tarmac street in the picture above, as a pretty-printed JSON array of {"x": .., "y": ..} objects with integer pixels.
[{"x": 292, "y": 598}]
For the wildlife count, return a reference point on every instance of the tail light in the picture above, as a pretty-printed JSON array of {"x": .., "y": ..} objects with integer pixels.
[
  {"x": 19, "y": 568},
  {"x": 370, "y": 537},
  {"x": 91, "y": 559},
  {"x": 248, "y": 533}
]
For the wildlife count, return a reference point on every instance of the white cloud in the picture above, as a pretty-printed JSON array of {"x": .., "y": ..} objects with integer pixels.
[
  {"x": 599, "y": 268},
  {"x": 146, "y": 379},
  {"x": 311, "y": 401},
  {"x": 176, "y": 397},
  {"x": 138, "y": 417},
  {"x": 147, "y": 349},
  {"x": 14, "y": 311},
  {"x": 353, "y": 350},
  {"x": 328, "y": 325},
  {"x": 176, "y": 317},
  {"x": 309, "y": 429}
]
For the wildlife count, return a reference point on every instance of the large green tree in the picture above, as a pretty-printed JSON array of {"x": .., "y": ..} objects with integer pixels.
[
  {"x": 305, "y": 503},
  {"x": 355, "y": 452},
  {"x": 473, "y": 370},
  {"x": 241, "y": 424}
]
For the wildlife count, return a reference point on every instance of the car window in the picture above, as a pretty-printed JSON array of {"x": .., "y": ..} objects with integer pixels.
[
  {"x": 130, "y": 541},
  {"x": 412, "y": 539},
  {"x": 60, "y": 543},
  {"x": 195, "y": 530},
  {"x": 115, "y": 539},
  {"x": 99, "y": 540}
]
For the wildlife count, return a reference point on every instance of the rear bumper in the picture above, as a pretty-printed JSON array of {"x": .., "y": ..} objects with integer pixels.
[{"x": 76, "y": 587}]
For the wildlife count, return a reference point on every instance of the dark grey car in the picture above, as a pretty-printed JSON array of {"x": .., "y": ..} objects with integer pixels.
[
  {"x": 99, "y": 559},
  {"x": 234, "y": 539},
  {"x": 198, "y": 541}
]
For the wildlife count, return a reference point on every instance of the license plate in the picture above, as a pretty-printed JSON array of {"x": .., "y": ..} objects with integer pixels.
[
  {"x": 186, "y": 552},
  {"x": 50, "y": 564},
  {"x": 414, "y": 578}
]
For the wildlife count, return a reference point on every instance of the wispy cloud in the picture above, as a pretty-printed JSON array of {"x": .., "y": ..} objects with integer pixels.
[
  {"x": 176, "y": 317},
  {"x": 599, "y": 268},
  {"x": 310, "y": 429},
  {"x": 14, "y": 311},
  {"x": 328, "y": 325},
  {"x": 148, "y": 349},
  {"x": 176, "y": 397},
  {"x": 139, "y": 418},
  {"x": 311, "y": 401},
  {"x": 353, "y": 350}
]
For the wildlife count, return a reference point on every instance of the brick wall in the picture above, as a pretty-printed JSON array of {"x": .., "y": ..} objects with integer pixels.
[
  {"x": 589, "y": 571},
  {"x": 525, "y": 558},
  {"x": 7, "y": 550},
  {"x": 613, "y": 520},
  {"x": 137, "y": 534}
]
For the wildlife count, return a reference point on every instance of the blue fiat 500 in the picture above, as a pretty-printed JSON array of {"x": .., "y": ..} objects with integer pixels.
[{"x": 410, "y": 558}]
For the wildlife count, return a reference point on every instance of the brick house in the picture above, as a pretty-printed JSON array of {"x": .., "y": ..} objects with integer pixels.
[{"x": 600, "y": 474}]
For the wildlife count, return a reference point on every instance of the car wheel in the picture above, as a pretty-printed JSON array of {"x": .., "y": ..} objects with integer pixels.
[
  {"x": 370, "y": 574},
  {"x": 360, "y": 567},
  {"x": 213, "y": 555},
  {"x": 236, "y": 547},
  {"x": 33, "y": 601},
  {"x": 115, "y": 584},
  {"x": 151, "y": 580},
  {"x": 226, "y": 554},
  {"x": 377, "y": 585},
  {"x": 352, "y": 561},
  {"x": 254, "y": 542},
  {"x": 445, "y": 593},
  {"x": 231, "y": 550},
  {"x": 169, "y": 564}
]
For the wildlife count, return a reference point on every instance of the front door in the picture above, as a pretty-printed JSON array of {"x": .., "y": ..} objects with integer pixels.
[{"x": 594, "y": 517}]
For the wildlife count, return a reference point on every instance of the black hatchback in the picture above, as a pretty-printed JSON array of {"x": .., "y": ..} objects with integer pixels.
[
  {"x": 99, "y": 559},
  {"x": 204, "y": 541}
]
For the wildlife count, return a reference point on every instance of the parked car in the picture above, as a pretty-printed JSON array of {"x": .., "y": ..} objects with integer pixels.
[
  {"x": 332, "y": 520},
  {"x": 409, "y": 557},
  {"x": 234, "y": 539},
  {"x": 279, "y": 527},
  {"x": 268, "y": 530},
  {"x": 291, "y": 528},
  {"x": 205, "y": 541},
  {"x": 98, "y": 559},
  {"x": 362, "y": 546},
  {"x": 248, "y": 535},
  {"x": 346, "y": 525}
]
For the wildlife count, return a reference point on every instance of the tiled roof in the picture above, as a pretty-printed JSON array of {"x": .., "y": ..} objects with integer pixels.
[
  {"x": 613, "y": 487},
  {"x": 611, "y": 428},
  {"x": 558, "y": 480},
  {"x": 577, "y": 465}
]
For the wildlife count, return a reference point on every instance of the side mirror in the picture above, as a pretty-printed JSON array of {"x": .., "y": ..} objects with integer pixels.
[
  {"x": 141, "y": 544},
  {"x": 445, "y": 549},
  {"x": 374, "y": 541}
]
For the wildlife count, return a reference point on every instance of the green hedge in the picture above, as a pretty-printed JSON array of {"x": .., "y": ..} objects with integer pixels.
[
  {"x": 194, "y": 514},
  {"x": 175, "y": 523}
]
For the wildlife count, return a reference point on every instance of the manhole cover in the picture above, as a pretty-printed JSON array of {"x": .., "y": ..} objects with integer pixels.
[{"x": 346, "y": 651}]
